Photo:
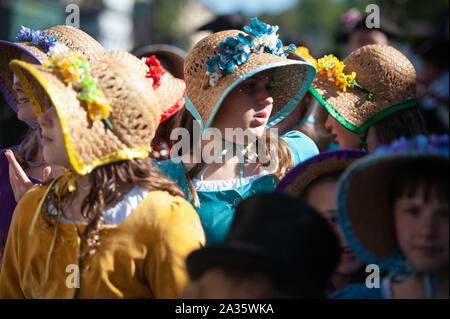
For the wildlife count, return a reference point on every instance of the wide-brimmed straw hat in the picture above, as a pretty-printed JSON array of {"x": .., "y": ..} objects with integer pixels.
[
  {"x": 364, "y": 209},
  {"x": 37, "y": 45},
  {"x": 386, "y": 84},
  {"x": 169, "y": 90},
  {"x": 279, "y": 235},
  {"x": 171, "y": 57},
  {"x": 112, "y": 118},
  {"x": 296, "y": 181},
  {"x": 209, "y": 79}
]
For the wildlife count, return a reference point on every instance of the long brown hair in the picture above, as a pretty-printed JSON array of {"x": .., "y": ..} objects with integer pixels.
[
  {"x": 284, "y": 155},
  {"x": 105, "y": 181}
]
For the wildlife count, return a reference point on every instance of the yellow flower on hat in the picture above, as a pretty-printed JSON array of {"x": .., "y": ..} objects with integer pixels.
[
  {"x": 66, "y": 62},
  {"x": 75, "y": 68},
  {"x": 330, "y": 64},
  {"x": 99, "y": 108}
]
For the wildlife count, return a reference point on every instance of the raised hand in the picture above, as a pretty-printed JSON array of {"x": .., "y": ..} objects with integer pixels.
[{"x": 20, "y": 183}]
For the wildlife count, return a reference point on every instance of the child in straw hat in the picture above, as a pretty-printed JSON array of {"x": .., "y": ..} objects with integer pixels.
[
  {"x": 111, "y": 219},
  {"x": 23, "y": 165},
  {"x": 370, "y": 97},
  {"x": 393, "y": 210},
  {"x": 237, "y": 86},
  {"x": 315, "y": 181},
  {"x": 170, "y": 92}
]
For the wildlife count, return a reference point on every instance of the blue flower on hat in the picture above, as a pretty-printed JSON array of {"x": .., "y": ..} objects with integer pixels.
[
  {"x": 38, "y": 38},
  {"x": 234, "y": 52}
]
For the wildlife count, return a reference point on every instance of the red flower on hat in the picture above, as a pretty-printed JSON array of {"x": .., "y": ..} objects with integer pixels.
[{"x": 155, "y": 71}]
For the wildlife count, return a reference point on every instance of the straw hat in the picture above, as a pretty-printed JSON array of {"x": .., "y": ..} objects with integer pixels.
[
  {"x": 384, "y": 72},
  {"x": 364, "y": 211},
  {"x": 170, "y": 92},
  {"x": 300, "y": 177},
  {"x": 279, "y": 235},
  {"x": 133, "y": 110},
  {"x": 291, "y": 78},
  {"x": 71, "y": 37},
  {"x": 171, "y": 57}
]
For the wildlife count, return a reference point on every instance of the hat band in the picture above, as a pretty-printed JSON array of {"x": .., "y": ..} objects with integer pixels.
[{"x": 375, "y": 118}]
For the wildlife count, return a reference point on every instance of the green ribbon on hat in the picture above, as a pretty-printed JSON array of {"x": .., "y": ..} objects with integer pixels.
[{"x": 365, "y": 126}]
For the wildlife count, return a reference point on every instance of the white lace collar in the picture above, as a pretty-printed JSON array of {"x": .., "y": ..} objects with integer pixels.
[{"x": 119, "y": 212}]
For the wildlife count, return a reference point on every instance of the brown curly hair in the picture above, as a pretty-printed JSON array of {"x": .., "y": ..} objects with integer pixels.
[{"x": 104, "y": 190}]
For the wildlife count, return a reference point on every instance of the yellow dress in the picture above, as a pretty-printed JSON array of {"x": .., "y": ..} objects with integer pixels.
[{"x": 142, "y": 257}]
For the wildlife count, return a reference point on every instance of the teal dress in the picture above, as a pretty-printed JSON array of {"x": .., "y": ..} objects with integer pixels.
[{"x": 219, "y": 199}]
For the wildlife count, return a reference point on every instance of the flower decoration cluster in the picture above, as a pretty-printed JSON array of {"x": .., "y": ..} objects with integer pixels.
[
  {"x": 433, "y": 144},
  {"x": 261, "y": 37},
  {"x": 155, "y": 73},
  {"x": 75, "y": 69},
  {"x": 39, "y": 38},
  {"x": 331, "y": 65}
]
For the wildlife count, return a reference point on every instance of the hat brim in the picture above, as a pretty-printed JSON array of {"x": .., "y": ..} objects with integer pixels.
[
  {"x": 301, "y": 176},
  {"x": 10, "y": 51},
  {"x": 84, "y": 139},
  {"x": 364, "y": 211},
  {"x": 384, "y": 72}
]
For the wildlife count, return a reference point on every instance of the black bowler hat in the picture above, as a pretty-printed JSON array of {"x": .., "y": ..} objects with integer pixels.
[{"x": 280, "y": 236}]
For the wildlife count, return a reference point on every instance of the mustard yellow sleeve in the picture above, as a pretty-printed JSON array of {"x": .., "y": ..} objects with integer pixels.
[{"x": 179, "y": 233}]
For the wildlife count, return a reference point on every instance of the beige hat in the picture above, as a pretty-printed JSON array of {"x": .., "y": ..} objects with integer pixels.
[
  {"x": 38, "y": 45},
  {"x": 114, "y": 118},
  {"x": 206, "y": 90},
  {"x": 171, "y": 90},
  {"x": 386, "y": 83},
  {"x": 171, "y": 57}
]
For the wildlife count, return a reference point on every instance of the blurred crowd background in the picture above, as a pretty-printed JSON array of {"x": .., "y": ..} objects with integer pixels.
[{"x": 419, "y": 29}]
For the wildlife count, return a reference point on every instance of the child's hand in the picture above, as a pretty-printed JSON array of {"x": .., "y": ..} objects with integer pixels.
[{"x": 20, "y": 183}]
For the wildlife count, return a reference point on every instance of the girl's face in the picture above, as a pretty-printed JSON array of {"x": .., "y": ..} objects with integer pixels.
[
  {"x": 52, "y": 139},
  {"x": 422, "y": 230},
  {"x": 248, "y": 106},
  {"x": 322, "y": 197},
  {"x": 25, "y": 110},
  {"x": 342, "y": 136}
]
